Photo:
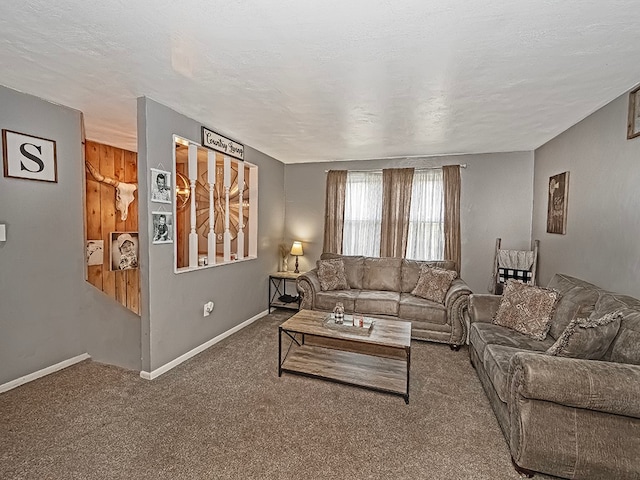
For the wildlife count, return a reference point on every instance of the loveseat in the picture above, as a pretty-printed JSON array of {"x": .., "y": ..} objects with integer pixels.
[
  {"x": 381, "y": 287},
  {"x": 575, "y": 416}
]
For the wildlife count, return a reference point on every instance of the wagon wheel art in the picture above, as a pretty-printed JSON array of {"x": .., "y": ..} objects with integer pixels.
[{"x": 202, "y": 205}]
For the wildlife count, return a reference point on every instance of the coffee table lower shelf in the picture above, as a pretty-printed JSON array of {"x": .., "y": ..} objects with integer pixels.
[{"x": 377, "y": 373}]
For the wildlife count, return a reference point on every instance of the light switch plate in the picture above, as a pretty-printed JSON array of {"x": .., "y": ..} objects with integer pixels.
[{"x": 3, "y": 233}]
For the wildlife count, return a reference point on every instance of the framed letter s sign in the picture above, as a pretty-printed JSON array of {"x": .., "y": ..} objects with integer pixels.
[{"x": 26, "y": 156}]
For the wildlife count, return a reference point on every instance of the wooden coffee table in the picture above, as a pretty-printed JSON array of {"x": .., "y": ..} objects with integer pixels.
[{"x": 378, "y": 360}]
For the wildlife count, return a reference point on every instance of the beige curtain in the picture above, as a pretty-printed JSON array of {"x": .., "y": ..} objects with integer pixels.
[
  {"x": 334, "y": 211},
  {"x": 452, "y": 243},
  {"x": 396, "y": 203}
]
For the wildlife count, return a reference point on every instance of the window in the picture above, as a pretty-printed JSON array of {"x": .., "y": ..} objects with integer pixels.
[
  {"x": 426, "y": 218},
  {"x": 362, "y": 214}
]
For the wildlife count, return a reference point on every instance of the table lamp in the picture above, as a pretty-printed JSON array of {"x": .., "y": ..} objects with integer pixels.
[{"x": 296, "y": 249}]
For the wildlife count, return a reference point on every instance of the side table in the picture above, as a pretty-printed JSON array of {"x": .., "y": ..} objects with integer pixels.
[{"x": 278, "y": 288}]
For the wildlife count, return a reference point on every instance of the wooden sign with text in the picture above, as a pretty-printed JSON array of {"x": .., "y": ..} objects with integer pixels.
[{"x": 217, "y": 142}]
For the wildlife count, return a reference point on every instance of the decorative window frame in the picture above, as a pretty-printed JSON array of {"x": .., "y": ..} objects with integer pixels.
[{"x": 196, "y": 261}]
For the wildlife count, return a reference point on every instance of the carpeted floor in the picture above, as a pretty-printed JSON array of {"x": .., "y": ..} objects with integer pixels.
[{"x": 226, "y": 414}]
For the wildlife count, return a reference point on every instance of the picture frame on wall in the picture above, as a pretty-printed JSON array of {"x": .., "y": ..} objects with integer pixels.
[
  {"x": 557, "y": 206},
  {"x": 160, "y": 186},
  {"x": 125, "y": 250},
  {"x": 29, "y": 157},
  {"x": 95, "y": 252},
  {"x": 162, "y": 227},
  {"x": 633, "y": 127}
]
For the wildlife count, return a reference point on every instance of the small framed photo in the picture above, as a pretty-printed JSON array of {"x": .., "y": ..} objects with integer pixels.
[
  {"x": 162, "y": 227},
  {"x": 557, "y": 206},
  {"x": 95, "y": 252},
  {"x": 160, "y": 186},
  {"x": 633, "y": 128},
  {"x": 124, "y": 250},
  {"x": 29, "y": 157}
]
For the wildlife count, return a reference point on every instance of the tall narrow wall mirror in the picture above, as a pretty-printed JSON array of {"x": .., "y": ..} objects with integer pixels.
[{"x": 216, "y": 205}]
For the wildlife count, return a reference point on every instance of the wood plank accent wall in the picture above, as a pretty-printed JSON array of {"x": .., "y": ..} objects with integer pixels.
[{"x": 103, "y": 218}]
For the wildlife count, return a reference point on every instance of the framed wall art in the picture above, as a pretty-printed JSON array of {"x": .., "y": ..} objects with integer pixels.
[
  {"x": 95, "y": 252},
  {"x": 160, "y": 186},
  {"x": 162, "y": 227},
  {"x": 633, "y": 127},
  {"x": 557, "y": 207},
  {"x": 29, "y": 157},
  {"x": 124, "y": 250}
]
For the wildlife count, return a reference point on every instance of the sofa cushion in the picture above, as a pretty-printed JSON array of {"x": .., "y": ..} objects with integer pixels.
[
  {"x": 626, "y": 346},
  {"x": 331, "y": 274},
  {"x": 526, "y": 309},
  {"x": 434, "y": 283},
  {"x": 377, "y": 302},
  {"x": 587, "y": 337},
  {"x": 327, "y": 300},
  {"x": 353, "y": 267},
  {"x": 382, "y": 274},
  {"x": 575, "y": 302},
  {"x": 411, "y": 271},
  {"x": 482, "y": 334},
  {"x": 563, "y": 283},
  {"x": 496, "y": 361},
  {"x": 421, "y": 309}
]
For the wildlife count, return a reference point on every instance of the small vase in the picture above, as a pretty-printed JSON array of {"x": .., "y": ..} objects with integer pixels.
[{"x": 284, "y": 265}]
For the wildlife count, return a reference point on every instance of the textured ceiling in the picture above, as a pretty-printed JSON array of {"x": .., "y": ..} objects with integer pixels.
[{"x": 307, "y": 80}]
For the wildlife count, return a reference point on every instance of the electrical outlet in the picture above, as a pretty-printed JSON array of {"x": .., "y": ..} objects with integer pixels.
[{"x": 208, "y": 308}]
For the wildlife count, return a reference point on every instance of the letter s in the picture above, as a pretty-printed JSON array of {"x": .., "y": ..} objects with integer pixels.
[{"x": 32, "y": 157}]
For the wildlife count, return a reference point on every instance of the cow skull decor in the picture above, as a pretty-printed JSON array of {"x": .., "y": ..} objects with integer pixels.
[{"x": 124, "y": 191}]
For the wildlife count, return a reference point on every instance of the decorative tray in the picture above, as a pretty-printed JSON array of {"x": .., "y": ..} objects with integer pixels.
[{"x": 348, "y": 325}]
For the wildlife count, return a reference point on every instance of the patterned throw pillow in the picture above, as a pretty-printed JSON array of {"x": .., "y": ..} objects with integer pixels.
[
  {"x": 587, "y": 337},
  {"x": 526, "y": 309},
  {"x": 331, "y": 275},
  {"x": 433, "y": 283}
]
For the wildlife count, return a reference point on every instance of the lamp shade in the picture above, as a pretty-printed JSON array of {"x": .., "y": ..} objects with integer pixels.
[{"x": 296, "y": 248}]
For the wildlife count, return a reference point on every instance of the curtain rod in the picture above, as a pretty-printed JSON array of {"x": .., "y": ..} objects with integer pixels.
[{"x": 461, "y": 165}]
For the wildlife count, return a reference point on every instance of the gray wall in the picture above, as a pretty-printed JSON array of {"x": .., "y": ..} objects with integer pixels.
[
  {"x": 48, "y": 313},
  {"x": 497, "y": 192},
  {"x": 603, "y": 220},
  {"x": 172, "y": 303}
]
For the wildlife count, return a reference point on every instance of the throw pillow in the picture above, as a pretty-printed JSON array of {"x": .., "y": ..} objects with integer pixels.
[
  {"x": 526, "y": 309},
  {"x": 587, "y": 338},
  {"x": 332, "y": 275},
  {"x": 433, "y": 283},
  {"x": 567, "y": 309}
]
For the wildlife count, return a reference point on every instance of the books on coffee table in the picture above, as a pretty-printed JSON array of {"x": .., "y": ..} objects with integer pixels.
[{"x": 351, "y": 323}]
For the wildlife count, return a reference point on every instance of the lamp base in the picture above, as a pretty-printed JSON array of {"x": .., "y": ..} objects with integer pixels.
[{"x": 296, "y": 270}]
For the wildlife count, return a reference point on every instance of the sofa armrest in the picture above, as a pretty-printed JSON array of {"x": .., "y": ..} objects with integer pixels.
[
  {"x": 457, "y": 288},
  {"x": 308, "y": 285},
  {"x": 574, "y": 418},
  {"x": 589, "y": 384},
  {"x": 483, "y": 307},
  {"x": 456, "y": 301}
]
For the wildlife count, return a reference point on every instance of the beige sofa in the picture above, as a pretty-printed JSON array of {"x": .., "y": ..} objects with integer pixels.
[
  {"x": 568, "y": 417},
  {"x": 380, "y": 287}
]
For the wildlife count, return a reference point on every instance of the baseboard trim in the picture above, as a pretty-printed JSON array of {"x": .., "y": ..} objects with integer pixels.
[
  {"x": 191, "y": 353},
  {"x": 41, "y": 373}
]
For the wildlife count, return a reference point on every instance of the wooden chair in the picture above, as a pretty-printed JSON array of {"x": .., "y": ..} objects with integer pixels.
[{"x": 513, "y": 264}]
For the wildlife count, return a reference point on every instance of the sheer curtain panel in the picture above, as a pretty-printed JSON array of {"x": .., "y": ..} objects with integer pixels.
[
  {"x": 334, "y": 211},
  {"x": 426, "y": 216},
  {"x": 362, "y": 214}
]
